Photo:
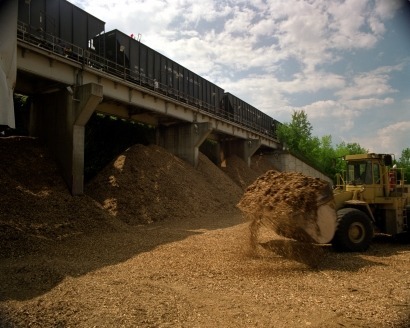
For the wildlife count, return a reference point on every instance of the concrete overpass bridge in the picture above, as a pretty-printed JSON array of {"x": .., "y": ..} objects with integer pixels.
[{"x": 68, "y": 88}]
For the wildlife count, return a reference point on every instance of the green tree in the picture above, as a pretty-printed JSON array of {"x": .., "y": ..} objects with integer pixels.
[
  {"x": 319, "y": 152},
  {"x": 404, "y": 163},
  {"x": 343, "y": 149},
  {"x": 297, "y": 135},
  {"x": 326, "y": 155},
  {"x": 405, "y": 157}
]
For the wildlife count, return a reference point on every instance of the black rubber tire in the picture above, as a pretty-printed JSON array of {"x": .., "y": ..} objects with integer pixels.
[{"x": 354, "y": 231}]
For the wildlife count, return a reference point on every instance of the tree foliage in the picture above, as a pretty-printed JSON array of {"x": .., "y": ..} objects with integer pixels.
[
  {"x": 297, "y": 134},
  {"x": 404, "y": 163},
  {"x": 297, "y": 137}
]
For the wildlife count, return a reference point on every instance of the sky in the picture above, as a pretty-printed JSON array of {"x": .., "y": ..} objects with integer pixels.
[{"x": 346, "y": 63}]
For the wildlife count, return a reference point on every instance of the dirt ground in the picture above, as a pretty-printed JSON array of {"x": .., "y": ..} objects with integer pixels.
[{"x": 156, "y": 243}]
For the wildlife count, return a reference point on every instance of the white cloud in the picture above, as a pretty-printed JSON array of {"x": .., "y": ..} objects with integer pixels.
[
  {"x": 329, "y": 116},
  {"x": 391, "y": 139},
  {"x": 368, "y": 103},
  {"x": 376, "y": 26},
  {"x": 386, "y": 9},
  {"x": 253, "y": 36},
  {"x": 373, "y": 83},
  {"x": 313, "y": 82}
]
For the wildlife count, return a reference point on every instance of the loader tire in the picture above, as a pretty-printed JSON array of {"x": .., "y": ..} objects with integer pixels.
[{"x": 354, "y": 231}]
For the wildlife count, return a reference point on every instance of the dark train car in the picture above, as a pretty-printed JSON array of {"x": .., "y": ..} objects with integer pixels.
[
  {"x": 148, "y": 67},
  {"x": 141, "y": 63},
  {"x": 61, "y": 25},
  {"x": 274, "y": 124},
  {"x": 114, "y": 47},
  {"x": 269, "y": 125},
  {"x": 49, "y": 19},
  {"x": 228, "y": 104},
  {"x": 239, "y": 111}
]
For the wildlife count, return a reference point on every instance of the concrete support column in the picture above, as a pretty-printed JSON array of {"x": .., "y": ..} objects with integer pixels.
[
  {"x": 183, "y": 140},
  {"x": 89, "y": 96},
  {"x": 218, "y": 154},
  {"x": 60, "y": 118},
  {"x": 242, "y": 148},
  {"x": 8, "y": 60}
]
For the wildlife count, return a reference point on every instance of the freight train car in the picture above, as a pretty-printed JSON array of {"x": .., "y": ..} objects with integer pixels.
[
  {"x": 66, "y": 29},
  {"x": 267, "y": 125},
  {"x": 246, "y": 115},
  {"x": 148, "y": 67},
  {"x": 52, "y": 21}
]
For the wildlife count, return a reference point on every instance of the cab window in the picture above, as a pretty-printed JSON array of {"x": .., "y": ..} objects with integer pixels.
[
  {"x": 376, "y": 173},
  {"x": 360, "y": 172}
]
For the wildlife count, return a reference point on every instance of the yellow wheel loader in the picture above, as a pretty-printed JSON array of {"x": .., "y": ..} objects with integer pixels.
[{"x": 370, "y": 197}]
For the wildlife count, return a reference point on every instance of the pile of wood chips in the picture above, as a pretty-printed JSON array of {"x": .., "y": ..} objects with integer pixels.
[{"x": 97, "y": 261}]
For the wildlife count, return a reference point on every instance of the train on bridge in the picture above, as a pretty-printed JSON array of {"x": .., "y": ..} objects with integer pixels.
[{"x": 69, "y": 31}]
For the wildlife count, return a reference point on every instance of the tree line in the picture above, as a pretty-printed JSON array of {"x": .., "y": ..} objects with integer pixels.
[{"x": 297, "y": 137}]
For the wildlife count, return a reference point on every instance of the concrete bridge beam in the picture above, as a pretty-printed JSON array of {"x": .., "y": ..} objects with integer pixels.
[{"x": 183, "y": 140}]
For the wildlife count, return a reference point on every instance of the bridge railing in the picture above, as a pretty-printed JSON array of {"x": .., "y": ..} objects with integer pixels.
[
  {"x": 46, "y": 41},
  {"x": 89, "y": 58}
]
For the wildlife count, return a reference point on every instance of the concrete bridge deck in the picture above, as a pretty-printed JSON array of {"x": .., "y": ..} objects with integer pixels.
[{"x": 68, "y": 90}]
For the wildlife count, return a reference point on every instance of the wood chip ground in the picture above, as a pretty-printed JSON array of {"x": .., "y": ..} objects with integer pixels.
[{"x": 157, "y": 243}]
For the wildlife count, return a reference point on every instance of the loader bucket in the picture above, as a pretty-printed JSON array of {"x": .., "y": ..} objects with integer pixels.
[
  {"x": 292, "y": 205},
  {"x": 323, "y": 230}
]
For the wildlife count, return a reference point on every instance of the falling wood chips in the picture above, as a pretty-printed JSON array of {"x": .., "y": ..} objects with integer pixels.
[{"x": 284, "y": 203}]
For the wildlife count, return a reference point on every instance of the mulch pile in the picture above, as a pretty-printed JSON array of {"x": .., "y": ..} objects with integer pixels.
[
  {"x": 147, "y": 184},
  {"x": 36, "y": 208},
  {"x": 92, "y": 269},
  {"x": 237, "y": 169},
  {"x": 140, "y": 186}
]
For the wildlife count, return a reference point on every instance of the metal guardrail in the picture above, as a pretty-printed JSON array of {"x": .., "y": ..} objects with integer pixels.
[{"x": 60, "y": 47}]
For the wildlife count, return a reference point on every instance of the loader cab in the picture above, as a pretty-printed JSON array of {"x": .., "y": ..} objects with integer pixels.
[
  {"x": 359, "y": 172},
  {"x": 366, "y": 173}
]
